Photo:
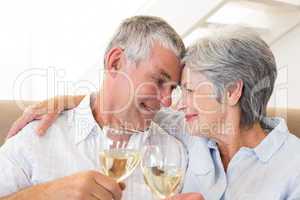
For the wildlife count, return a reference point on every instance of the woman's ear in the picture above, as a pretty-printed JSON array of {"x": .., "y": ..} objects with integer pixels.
[
  {"x": 113, "y": 58},
  {"x": 234, "y": 92}
]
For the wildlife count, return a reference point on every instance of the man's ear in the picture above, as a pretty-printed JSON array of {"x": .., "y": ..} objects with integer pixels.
[
  {"x": 234, "y": 92},
  {"x": 113, "y": 59}
]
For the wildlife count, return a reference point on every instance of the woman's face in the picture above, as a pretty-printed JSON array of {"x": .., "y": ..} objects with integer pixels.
[{"x": 203, "y": 113}]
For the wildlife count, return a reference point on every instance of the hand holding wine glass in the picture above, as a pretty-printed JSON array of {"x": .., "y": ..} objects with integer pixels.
[
  {"x": 164, "y": 164},
  {"x": 121, "y": 152}
]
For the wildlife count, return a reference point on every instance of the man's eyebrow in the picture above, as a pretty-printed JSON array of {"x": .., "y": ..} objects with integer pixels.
[{"x": 165, "y": 74}]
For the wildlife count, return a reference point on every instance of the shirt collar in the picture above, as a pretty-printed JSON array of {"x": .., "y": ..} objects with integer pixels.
[
  {"x": 274, "y": 140},
  {"x": 212, "y": 144},
  {"x": 271, "y": 143},
  {"x": 84, "y": 120}
]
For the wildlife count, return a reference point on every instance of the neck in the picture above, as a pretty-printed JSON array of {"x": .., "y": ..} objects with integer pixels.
[
  {"x": 231, "y": 140},
  {"x": 102, "y": 110}
]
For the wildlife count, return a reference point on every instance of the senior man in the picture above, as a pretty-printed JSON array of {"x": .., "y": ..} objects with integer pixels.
[{"x": 142, "y": 67}]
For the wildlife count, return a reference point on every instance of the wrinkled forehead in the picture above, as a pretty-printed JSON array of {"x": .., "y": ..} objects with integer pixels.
[
  {"x": 192, "y": 76},
  {"x": 164, "y": 62}
]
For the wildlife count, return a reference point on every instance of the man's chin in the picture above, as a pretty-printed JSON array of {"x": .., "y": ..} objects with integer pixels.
[
  {"x": 139, "y": 121},
  {"x": 146, "y": 117},
  {"x": 144, "y": 125}
]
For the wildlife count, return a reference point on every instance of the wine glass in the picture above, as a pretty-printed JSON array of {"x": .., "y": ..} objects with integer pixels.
[
  {"x": 164, "y": 164},
  {"x": 121, "y": 152}
]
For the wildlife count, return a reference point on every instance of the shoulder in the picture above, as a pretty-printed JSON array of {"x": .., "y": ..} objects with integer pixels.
[
  {"x": 25, "y": 136},
  {"x": 292, "y": 143},
  {"x": 168, "y": 118},
  {"x": 291, "y": 164},
  {"x": 288, "y": 153},
  {"x": 166, "y": 114},
  {"x": 28, "y": 137},
  {"x": 292, "y": 146},
  {"x": 286, "y": 146},
  {"x": 17, "y": 151}
]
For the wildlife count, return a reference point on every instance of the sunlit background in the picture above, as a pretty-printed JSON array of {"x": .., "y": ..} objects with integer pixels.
[{"x": 56, "y": 47}]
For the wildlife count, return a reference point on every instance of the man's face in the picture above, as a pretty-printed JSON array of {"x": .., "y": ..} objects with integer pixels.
[{"x": 143, "y": 87}]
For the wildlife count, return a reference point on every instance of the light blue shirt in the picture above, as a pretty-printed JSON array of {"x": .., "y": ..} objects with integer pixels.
[{"x": 270, "y": 171}]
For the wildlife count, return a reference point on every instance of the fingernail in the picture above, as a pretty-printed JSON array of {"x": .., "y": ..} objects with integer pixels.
[
  {"x": 39, "y": 131},
  {"x": 122, "y": 185}
]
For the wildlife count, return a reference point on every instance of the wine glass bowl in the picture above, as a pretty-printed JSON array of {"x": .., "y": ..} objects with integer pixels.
[
  {"x": 120, "y": 154},
  {"x": 164, "y": 164}
]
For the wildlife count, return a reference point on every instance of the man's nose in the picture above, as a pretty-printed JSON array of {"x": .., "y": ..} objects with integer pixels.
[
  {"x": 166, "y": 99},
  {"x": 166, "y": 102}
]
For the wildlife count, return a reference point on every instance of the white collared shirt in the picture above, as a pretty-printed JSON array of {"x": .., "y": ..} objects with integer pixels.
[{"x": 72, "y": 144}]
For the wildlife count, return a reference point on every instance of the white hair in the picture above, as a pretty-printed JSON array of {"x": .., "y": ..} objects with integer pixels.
[
  {"x": 230, "y": 54},
  {"x": 137, "y": 35}
]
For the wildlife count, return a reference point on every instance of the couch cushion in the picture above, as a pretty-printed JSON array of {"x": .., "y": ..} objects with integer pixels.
[
  {"x": 10, "y": 111},
  {"x": 292, "y": 116}
]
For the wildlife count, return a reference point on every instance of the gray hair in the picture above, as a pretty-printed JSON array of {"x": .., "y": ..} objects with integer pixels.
[
  {"x": 137, "y": 35},
  {"x": 233, "y": 53}
]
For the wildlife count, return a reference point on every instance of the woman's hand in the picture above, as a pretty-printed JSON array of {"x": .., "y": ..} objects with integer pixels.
[
  {"x": 47, "y": 111},
  {"x": 187, "y": 196}
]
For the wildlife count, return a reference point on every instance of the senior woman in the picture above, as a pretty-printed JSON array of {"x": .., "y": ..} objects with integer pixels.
[
  {"x": 235, "y": 151},
  {"x": 227, "y": 82}
]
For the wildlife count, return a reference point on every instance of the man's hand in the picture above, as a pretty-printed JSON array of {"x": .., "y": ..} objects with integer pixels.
[
  {"x": 89, "y": 185},
  {"x": 84, "y": 186},
  {"x": 47, "y": 111},
  {"x": 187, "y": 196}
]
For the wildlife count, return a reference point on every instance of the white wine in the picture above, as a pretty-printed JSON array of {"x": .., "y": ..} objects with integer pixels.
[
  {"x": 163, "y": 182},
  {"x": 119, "y": 163}
]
